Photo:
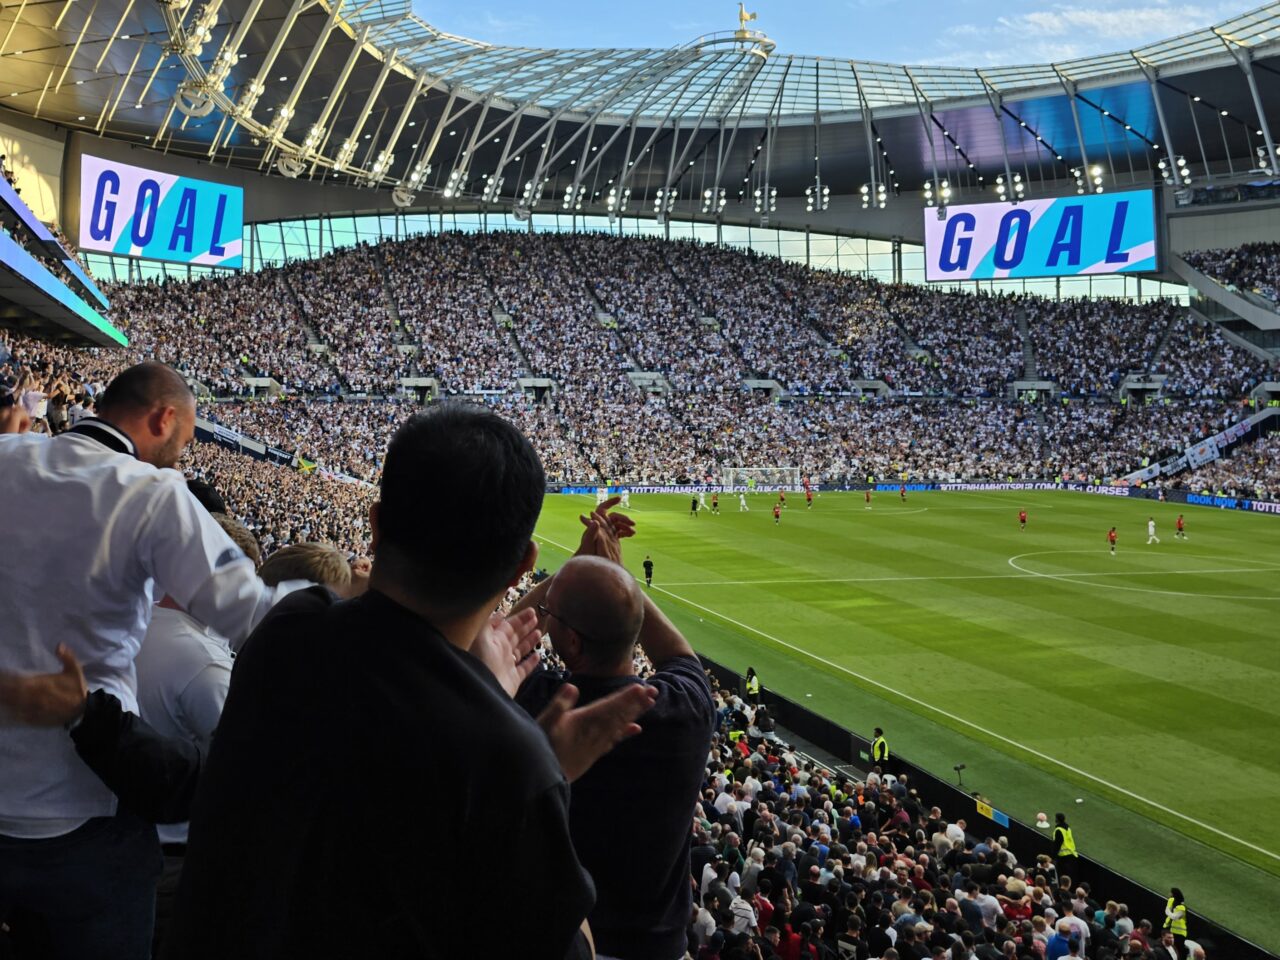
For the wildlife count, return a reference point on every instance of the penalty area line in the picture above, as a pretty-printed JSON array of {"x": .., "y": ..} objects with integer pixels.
[{"x": 973, "y": 726}]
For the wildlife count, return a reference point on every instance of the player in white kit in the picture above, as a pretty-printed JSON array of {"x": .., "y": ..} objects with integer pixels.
[
  {"x": 1151, "y": 531},
  {"x": 742, "y": 503}
]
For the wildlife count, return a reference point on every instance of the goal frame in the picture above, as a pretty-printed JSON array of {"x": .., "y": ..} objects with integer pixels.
[{"x": 767, "y": 478}]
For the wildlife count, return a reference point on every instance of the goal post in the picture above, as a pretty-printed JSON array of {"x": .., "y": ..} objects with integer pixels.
[{"x": 762, "y": 478}]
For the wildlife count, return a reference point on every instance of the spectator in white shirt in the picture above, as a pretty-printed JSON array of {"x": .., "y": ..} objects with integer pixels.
[
  {"x": 95, "y": 509},
  {"x": 744, "y": 915}
]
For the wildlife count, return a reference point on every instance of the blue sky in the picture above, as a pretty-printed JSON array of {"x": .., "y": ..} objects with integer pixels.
[{"x": 957, "y": 32}]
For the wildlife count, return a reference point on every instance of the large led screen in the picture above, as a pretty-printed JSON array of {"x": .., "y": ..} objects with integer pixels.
[
  {"x": 1058, "y": 237},
  {"x": 161, "y": 216}
]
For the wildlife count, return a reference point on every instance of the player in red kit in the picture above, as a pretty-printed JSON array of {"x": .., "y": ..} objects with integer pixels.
[
  {"x": 1111, "y": 539},
  {"x": 867, "y": 494},
  {"x": 808, "y": 499},
  {"x": 1022, "y": 519},
  {"x": 782, "y": 498},
  {"x": 902, "y": 492},
  {"x": 715, "y": 504},
  {"x": 777, "y": 513},
  {"x": 1181, "y": 530}
]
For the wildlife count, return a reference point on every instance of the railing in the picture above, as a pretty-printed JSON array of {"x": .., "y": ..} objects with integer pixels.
[{"x": 983, "y": 820}]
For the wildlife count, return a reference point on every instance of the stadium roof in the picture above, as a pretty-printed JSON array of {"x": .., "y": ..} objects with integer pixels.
[{"x": 370, "y": 93}]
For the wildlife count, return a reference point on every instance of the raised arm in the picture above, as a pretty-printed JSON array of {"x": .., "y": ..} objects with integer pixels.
[{"x": 659, "y": 637}]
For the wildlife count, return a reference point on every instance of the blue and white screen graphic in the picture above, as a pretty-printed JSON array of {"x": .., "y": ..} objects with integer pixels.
[
  {"x": 1057, "y": 237},
  {"x": 161, "y": 216}
]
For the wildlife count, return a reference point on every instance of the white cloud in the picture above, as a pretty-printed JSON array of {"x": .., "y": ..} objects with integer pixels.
[
  {"x": 1062, "y": 32},
  {"x": 1127, "y": 25}
]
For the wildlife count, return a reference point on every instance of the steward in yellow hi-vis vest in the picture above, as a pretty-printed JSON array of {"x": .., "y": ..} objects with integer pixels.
[
  {"x": 1064, "y": 843},
  {"x": 1175, "y": 918},
  {"x": 753, "y": 686},
  {"x": 879, "y": 747}
]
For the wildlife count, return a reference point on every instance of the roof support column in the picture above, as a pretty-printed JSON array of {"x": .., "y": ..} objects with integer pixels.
[
  {"x": 1244, "y": 58},
  {"x": 996, "y": 99},
  {"x": 927, "y": 125},
  {"x": 1152, "y": 73},
  {"x": 1069, "y": 86}
]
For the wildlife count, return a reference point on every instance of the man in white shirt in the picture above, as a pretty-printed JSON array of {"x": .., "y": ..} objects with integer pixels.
[
  {"x": 1081, "y": 928},
  {"x": 744, "y": 915},
  {"x": 96, "y": 509}
]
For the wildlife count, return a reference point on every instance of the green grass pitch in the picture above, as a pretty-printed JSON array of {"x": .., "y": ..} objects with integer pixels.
[{"x": 1146, "y": 685}]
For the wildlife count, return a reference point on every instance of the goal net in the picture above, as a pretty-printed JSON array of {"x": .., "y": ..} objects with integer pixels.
[{"x": 761, "y": 478}]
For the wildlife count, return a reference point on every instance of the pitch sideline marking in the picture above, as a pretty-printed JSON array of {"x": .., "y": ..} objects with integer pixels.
[
  {"x": 974, "y": 726},
  {"x": 1074, "y": 577},
  {"x": 953, "y": 717}
]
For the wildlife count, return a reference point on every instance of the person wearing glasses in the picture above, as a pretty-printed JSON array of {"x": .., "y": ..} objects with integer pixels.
[{"x": 596, "y": 614}]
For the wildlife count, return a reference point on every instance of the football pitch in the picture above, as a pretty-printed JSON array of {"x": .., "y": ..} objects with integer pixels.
[{"x": 1138, "y": 693}]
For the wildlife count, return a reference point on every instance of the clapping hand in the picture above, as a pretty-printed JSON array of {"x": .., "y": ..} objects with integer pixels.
[
  {"x": 605, "y": 532},
  {"x": 582, "y": 736},
  {"x": 505, "y": 646}
]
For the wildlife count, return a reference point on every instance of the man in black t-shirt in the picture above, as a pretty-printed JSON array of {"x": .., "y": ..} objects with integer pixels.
[
  {"x": 648, "y": 571},
  {"x": 596, "y": 613},
  {"x": 325, "y": 824}
]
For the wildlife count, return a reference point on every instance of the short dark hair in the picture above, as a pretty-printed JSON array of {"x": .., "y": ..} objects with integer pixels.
[
  {"x": 460, "y": 558},
  {"x": 143, "y": 387}
]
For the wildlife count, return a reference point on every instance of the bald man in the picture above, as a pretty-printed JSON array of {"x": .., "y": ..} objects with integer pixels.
[
  {"x": 596, "y": 614},
  {"x": 98, "y": 526}
]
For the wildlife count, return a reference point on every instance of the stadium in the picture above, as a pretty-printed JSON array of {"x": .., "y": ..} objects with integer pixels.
[{"x": 908, "y": 435}]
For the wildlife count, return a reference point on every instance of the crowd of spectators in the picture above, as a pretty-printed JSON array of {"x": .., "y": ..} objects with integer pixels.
[
  {"x": 1254, "y": 267},
  {"x": 1088, "y": 346},
  {"x": 342, "y": 299},
  {"x": 281, "y": 505},
  {"x": 587, "y": 308},
  {"x": 788, "y": 859},
  {"x": 1200, "y": 362},
  {"x": 446, "y": 308},
  {"x": 972, "y": 338},
  {"x": 219, "y": 330},
  {"x": 553, "y": 313},
  {"x": 763, "y": 307},
  {"x": 705, "y": 317},
  {"x": 1252, "y": 470},
  {"x": 659, "y": 322},
  {"x": 794, "y": 860}
]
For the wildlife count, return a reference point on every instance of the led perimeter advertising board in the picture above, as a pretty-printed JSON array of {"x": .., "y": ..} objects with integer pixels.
[
  {"x": 162, "y": 216},
  {"x": 1056, "y": 237}
]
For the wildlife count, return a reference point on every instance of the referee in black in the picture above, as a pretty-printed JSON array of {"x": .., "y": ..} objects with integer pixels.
[{"x": 648, "y": 571}]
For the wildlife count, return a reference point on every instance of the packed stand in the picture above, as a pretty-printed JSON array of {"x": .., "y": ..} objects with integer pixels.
[
  {"x": 661, "y": 324},
  {"x": 850, "y": 312},
  {"x": 1200, "y": 362},
  {"x": 761, "y": 314},
  {"x": 281, "y": 505},
  {"x": 341, "y": 296},
  {"x": 794, "y": 860},
  {"x": 553, "y": 313},
  {"x": 1254, "y": 267},
  {"x": 972, "y": 338},
  {"x": 346, "y": 437},
  {"x": 1088, "y": 346},
  {"x": 446, "y": 309},
  {"x": 218, "y": 330},
  {"x": 1250, "y": 470}
]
